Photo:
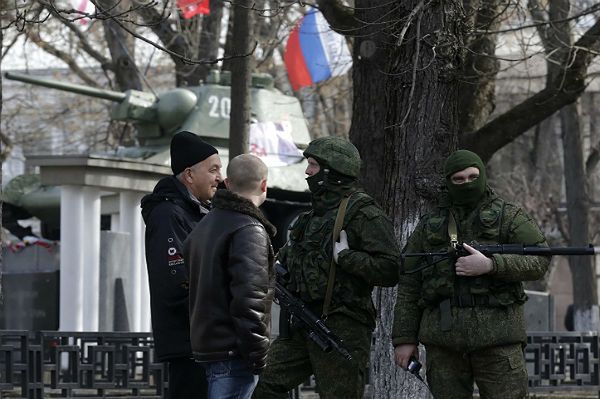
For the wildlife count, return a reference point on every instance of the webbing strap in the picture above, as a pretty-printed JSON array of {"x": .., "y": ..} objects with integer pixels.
[
  {"x": 337, "y": 227},
  {"x": 452, "y": 230}
]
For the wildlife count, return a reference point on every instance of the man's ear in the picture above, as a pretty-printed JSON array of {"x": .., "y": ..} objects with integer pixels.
[
  {"x": 187, "y": 175},
  {"x": 227, "y": 183},
  {"x": 263, "y": 185}
]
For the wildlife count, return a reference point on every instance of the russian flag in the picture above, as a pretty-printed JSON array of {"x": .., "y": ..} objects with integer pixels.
[{"x": 314, "y": 52}]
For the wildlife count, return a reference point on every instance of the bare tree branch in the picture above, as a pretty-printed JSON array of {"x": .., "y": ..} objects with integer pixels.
[
  {"x": 8, "y": 46},
  {"x": 594, "y": 8},
  {"x": 66, "y": 58},
  {"x": 84, "y": 43},
  {"x": 563, "y": 90}
]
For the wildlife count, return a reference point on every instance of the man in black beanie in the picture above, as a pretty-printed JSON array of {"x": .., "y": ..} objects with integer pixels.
[{"x": 171, "y": 212}]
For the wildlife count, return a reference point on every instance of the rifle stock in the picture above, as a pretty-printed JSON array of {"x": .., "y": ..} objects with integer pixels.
[{"x": 315, "y": 328}]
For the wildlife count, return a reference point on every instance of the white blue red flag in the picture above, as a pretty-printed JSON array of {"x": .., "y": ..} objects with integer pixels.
[{"x": 314, "y": 52}]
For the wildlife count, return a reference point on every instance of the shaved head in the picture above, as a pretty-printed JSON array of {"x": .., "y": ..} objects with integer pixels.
[{"x": 245, "y": 174}]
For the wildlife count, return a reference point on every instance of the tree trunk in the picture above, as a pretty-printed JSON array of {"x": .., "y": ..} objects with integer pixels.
[
  {"x": 405, "y": 138},
  {"x": 241, "y": 77},
  {"x": 205, "y": 48},
  {"x": 228, "y": 50},
  {"x": 121, "y": 46},
  {"x": 209, "y": 40},
  {"x": 478, "y": 83},
  {"x": 369, "y": 83},
  {"x": 1, "y": 164},
  {"x": 585, "y": 297}
]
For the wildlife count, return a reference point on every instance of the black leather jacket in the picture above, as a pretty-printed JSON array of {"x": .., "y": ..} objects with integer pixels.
[{"x": 231, "y": 271}]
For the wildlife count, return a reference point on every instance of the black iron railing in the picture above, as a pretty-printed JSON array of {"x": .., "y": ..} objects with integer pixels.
[
  {"x": 68, "y": 364},
  {"x": 563, "y": 361}
]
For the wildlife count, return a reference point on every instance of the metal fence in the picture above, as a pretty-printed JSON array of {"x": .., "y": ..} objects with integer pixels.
[
  {"x": 111, "y": 365},
  {"x": 67, "y": 364},
  {"x": 563, "y": 361}
]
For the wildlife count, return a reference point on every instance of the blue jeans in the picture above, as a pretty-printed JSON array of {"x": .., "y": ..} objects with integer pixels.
[{"x": 230, "y": 379}]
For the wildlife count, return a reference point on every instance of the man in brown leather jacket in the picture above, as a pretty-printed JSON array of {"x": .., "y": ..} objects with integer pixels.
[{"x": 231, "y": 267}]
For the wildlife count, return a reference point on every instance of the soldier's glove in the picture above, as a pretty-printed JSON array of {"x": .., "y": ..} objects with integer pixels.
[{"x": 340, "y": 245}]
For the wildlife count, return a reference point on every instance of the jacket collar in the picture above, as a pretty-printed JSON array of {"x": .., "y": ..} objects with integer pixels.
[
  {"x": 225, "y": 199},
  {"x": 171, "y": 189}
]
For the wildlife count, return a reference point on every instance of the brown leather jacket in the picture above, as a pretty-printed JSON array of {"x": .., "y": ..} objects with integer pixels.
[{"x": 231, "y": 271}]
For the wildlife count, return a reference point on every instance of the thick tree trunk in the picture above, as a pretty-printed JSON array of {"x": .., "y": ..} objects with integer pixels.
[
  {"x": 241, "y": 77},
  {"x": 585, "y": 297},
  {"x": 478, "y": 83},
  {"x": 405, "y": 138},
  {"x": 369, "y": 84}
]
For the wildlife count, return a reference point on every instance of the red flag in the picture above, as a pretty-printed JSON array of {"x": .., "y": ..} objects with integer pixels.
[{"x": 189, "y": 8}]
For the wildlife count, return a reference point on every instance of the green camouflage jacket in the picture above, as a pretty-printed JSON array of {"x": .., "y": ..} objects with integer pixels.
[
  {"x": 371, "y": 260},
  {"x": 498, "y": 316}
]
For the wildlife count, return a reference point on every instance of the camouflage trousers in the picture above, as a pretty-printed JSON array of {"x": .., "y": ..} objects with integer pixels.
[
  {"x": 499, "y": 372},
  {"x": 292, "y": 360}
]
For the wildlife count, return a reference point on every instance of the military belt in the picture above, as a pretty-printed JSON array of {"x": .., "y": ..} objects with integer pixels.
[
  {"x": 471, "y": 300},
  {"x": 462, "y": 301}
]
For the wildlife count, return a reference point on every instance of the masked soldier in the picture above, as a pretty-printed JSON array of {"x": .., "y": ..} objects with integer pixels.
[
  {"x": 468, "y": 312},
  {"x": 365, "y": 255}
]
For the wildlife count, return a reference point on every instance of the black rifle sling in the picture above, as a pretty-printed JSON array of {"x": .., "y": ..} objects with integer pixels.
[{"x": 337, "y": 227}]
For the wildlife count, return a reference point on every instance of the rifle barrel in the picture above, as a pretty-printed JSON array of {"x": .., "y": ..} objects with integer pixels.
[
  {"x": 515, "y": 249},
  {"x": 519, "y": 249}
]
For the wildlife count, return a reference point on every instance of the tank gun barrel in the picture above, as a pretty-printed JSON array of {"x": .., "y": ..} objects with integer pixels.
[{"x": 74, "y": 88}]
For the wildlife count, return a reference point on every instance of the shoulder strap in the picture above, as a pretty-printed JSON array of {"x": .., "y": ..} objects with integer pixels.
[
  {"x": 452, "y": 230},
  {"x": 337, "y": 227}
]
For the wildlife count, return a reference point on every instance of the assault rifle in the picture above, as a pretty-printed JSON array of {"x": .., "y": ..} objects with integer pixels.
[
  {"x": 489, "y": 250},
  {"x": 301, "y": 316}
]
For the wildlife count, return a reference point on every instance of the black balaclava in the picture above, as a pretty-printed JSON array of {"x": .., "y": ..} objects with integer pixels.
[
  {"x": 466, "y": 194},
  {"x": 327, "y": 187}
]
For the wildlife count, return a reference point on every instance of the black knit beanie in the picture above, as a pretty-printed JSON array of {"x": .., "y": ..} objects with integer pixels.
[{"x": 187, "y": 149}]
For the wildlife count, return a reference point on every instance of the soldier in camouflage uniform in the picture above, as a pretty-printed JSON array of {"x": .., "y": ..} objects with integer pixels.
[
  {"x": 468, "y": 312},
  {"x": 366, "y": 254}
]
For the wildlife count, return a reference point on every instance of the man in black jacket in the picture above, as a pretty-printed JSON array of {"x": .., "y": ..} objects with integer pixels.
[
  {"x": 173, "y": 209},
  {"x": 231, "y": 269}
]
